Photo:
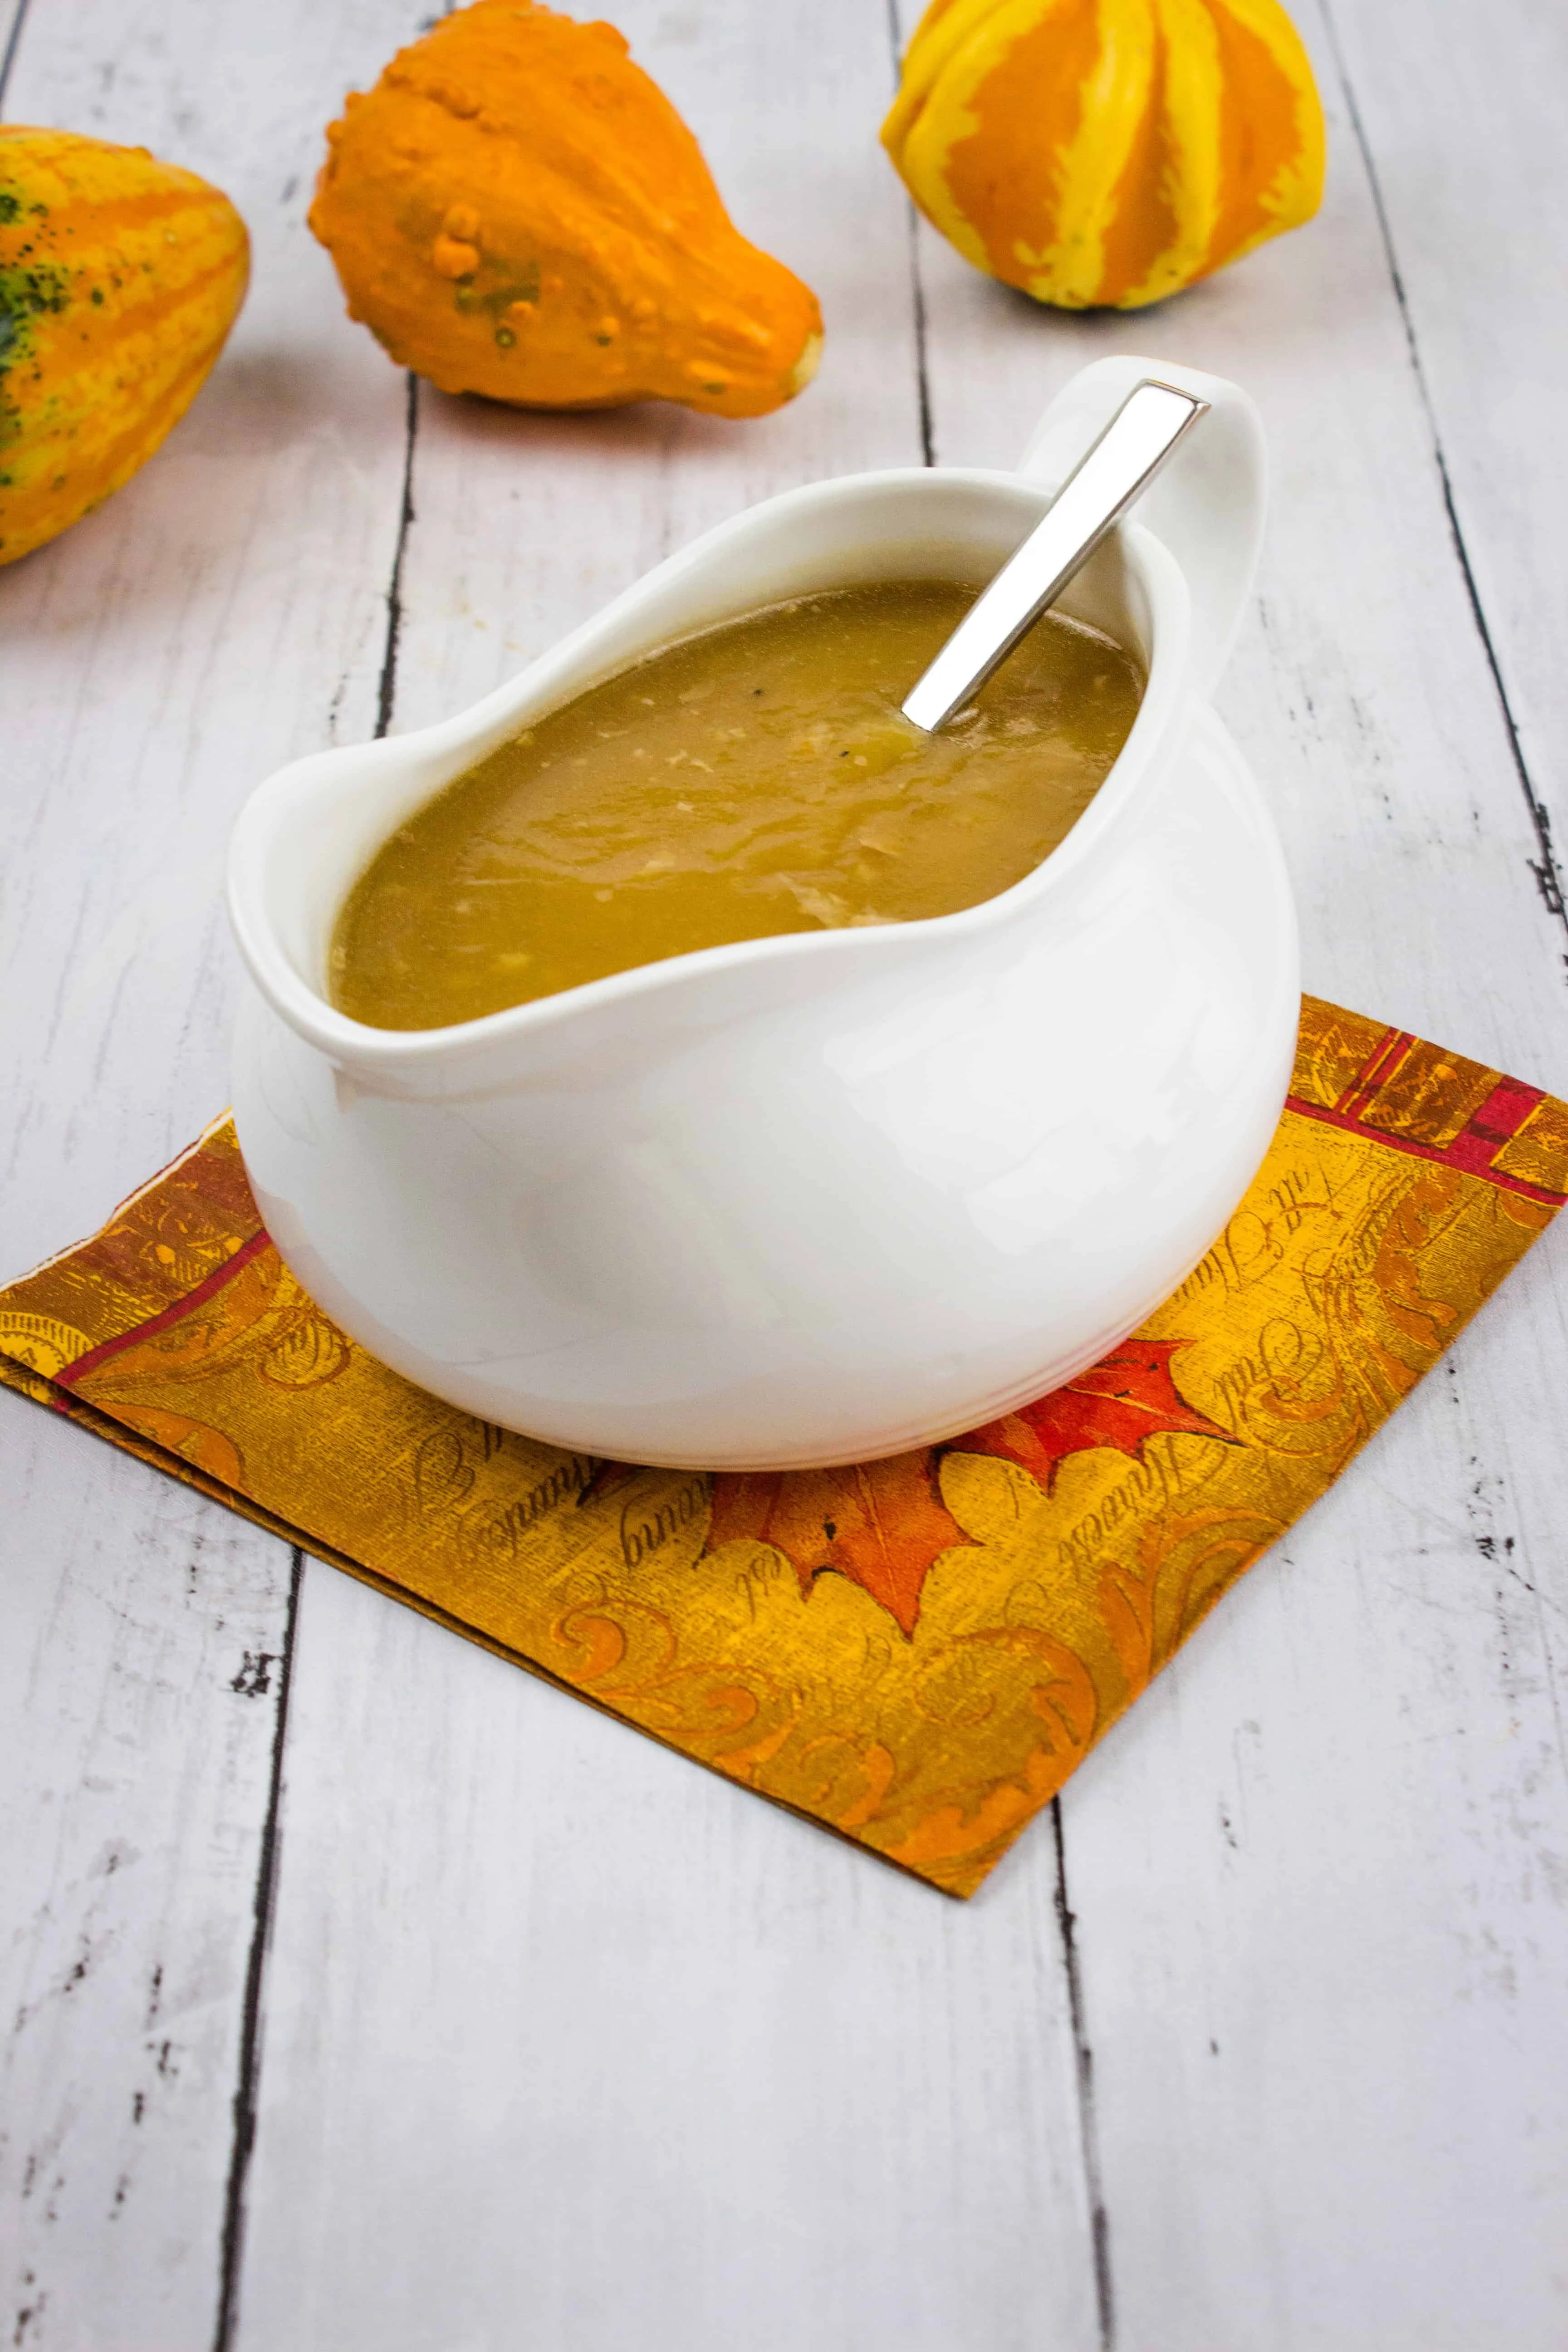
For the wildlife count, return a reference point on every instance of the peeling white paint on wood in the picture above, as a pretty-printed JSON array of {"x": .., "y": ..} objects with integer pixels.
[
  {"x": 138, "y": 1674},
  {"x": 1464, "y": 133}
]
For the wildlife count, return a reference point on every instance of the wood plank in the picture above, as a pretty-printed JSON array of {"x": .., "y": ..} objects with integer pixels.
[
  {"x": 1475, "y": 223},
  {"x": 1318, "y": 1872},
  {"x": 222, "y": 612},
  {"x": 556, "y": 2023},
  {"x": 139, "y": 1683}
]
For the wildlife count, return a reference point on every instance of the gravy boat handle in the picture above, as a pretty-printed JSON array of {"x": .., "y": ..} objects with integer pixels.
[{"x": 1207, "y": 504}]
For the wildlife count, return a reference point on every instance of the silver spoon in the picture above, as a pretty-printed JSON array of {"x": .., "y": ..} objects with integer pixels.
[{"x": 1116, "y": 470}]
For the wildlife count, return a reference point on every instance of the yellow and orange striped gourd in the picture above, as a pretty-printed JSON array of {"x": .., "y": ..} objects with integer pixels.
[
  {"x": 1108, "y": 151},
  {"x": 516, "y": 209},
  {"x": 119, "y": 277}
]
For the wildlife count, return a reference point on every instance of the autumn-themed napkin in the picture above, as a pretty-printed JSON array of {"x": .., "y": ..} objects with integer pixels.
[{"x": 915, "y": 1653}]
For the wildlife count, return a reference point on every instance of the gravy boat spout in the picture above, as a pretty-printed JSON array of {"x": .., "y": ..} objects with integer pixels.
[{"x": 822, "y": 1197}]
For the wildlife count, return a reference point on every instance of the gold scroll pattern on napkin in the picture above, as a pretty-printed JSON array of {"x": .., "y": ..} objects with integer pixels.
[{"x": 918, "y": 1652}]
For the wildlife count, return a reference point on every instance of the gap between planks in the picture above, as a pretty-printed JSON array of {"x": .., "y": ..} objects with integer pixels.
[
  {"x": 917, "y": 283},
  {"x": 386, "y": 691},
  {"x": 1083, "y": 2064},
  {"x": 8, "y": 54},
  {"x": 249, "y": 2083}
]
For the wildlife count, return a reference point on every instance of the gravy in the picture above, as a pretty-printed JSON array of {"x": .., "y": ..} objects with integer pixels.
[{"x": 753, "y": 779}]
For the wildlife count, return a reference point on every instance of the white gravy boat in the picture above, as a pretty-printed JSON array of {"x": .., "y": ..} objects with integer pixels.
[{"x": 819, "y": 1198}]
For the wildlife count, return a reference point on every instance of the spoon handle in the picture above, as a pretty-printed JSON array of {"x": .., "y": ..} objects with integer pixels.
[{"x": 1116, "y": 470}]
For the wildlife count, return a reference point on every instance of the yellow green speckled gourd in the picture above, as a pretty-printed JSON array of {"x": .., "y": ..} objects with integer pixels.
[
  {"x": 1108, "y": 151},
  {"x": 120, "y": 279},
  {"x": 516, "y": 210}
]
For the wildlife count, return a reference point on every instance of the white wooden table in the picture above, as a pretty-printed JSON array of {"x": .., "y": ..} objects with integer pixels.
[{"x": 359, "y": 1992}]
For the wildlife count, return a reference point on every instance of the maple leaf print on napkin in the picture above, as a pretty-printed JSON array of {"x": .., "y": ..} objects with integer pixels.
[
  {"x": 881, "y": 1524},
  {"x": 884, "y": 1525},
  {"x": 1127, "y": 1398}
]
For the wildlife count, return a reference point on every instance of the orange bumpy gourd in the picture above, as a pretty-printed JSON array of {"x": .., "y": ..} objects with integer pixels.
[
  {"x": 119, "y": 277},
  {"x": 1108, "y": 151},
  {"x": 515, "y": 209}
]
